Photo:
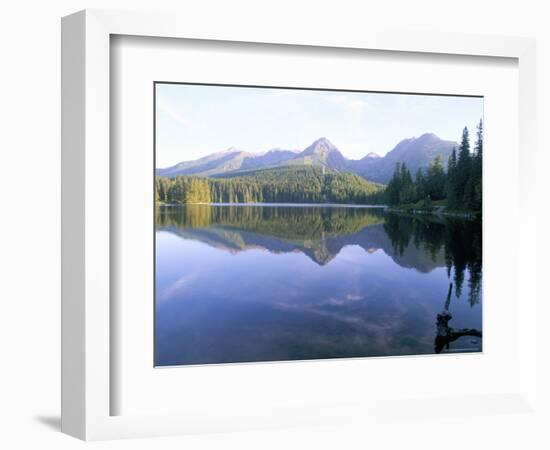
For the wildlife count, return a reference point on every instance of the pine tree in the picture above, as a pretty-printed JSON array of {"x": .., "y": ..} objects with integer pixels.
[
  {"x": 450, "y": 187},
  {"x": 477, "y": 171},
  {"x": 435, "y": 179},
  {"x": 407, "y": 194},
  {"x": 420, "y": 183},
  {"x": 473, "y": 187},
  {"x": 463, "y": 169},
  {"x": 393, "y": 188}
]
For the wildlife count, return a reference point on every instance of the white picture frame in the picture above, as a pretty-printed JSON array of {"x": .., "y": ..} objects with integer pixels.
[{"x": 86, "y": 222}]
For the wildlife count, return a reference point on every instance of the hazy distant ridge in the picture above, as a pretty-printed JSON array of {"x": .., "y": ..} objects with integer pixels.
[{"x": 415, "y": 152}]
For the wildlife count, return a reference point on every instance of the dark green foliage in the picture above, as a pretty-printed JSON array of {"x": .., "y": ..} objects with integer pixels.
[
  {"x": 420, "y": 182},
  {"x": 393, "y": 188},
  {"x": 281, "y": 185},
  {"x": 435, "y": 180},
  {"x": 401, "y": 189},
  {"x": 463, "y": 168},
  {"x": 408, "y": 190},
  {"x": 473, "y": 190},
  {"x": 451, "y": 190},
  {"x": 460, "y": 186},
  {"x": 186, "y": 189},
  {"x": 464, "y": 183}
]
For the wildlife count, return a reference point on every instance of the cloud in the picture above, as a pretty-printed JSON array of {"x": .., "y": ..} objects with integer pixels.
[
  {"x": 175, "y": 288},
  {"x": 174, "y": 114}
]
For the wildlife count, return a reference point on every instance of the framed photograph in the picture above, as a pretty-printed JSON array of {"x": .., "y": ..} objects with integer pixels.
[
  {"x": 302, "y": 253},
  {"x": 267, "y": 229}
]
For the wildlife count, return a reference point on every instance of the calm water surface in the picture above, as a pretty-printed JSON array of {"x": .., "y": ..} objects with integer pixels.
[{"x": 269, "y": 283}]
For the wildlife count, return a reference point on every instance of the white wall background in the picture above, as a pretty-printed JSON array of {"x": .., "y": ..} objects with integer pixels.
[{"x": 29, "y": 145}]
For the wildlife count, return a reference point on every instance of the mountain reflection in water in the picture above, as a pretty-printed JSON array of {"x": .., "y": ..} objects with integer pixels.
[{"x": 277, "y": 282}]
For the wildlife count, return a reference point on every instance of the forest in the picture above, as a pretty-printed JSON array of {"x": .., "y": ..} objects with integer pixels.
[
  {"x": 306, "y": 184},
  {"x": 459, "y": 186},
  {"x": 455, "y": 184}
]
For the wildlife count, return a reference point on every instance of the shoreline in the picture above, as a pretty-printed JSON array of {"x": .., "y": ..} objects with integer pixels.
[
  {"x": 290, "y": 205},
  {"x": 438, "y": 211}
]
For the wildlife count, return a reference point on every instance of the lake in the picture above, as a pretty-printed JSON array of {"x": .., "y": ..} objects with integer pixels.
[{"x": 248, "y": 283}]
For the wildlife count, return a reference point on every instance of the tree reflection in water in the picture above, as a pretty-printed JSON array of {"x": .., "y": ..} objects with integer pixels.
[
  {"x": 460, "y": 240},
  {"x": 456, "y": 243},
  {"x": 343, "y": 282}
]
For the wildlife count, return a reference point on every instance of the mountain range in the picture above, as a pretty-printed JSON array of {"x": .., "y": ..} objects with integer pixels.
[{"x": 414, "y": 152}]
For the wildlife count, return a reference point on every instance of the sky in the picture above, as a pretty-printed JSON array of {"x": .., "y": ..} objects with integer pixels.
[{"x": 193, "y": 121}]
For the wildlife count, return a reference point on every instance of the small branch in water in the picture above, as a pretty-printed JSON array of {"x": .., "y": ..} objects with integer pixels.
[{"x": 447, "y": 334}]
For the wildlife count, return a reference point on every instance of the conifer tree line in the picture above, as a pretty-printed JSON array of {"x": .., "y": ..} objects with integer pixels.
[
  {"x": 456, "y": 182},
  {"x": 460, "y": 183},
  {"x": 292, "y": 185}
]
